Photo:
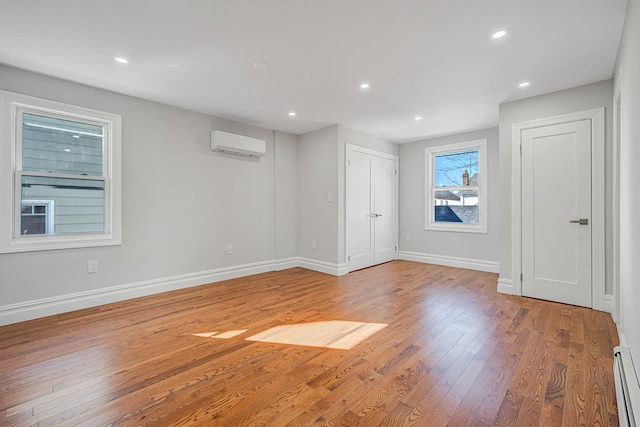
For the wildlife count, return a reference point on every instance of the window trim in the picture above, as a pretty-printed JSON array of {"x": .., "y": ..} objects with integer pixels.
[
  {"x": 11, "y": 107},
  {"x": 430, "y": 154}
]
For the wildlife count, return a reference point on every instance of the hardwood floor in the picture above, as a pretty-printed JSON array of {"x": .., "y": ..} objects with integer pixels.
[{"x": 454, "y": 352}]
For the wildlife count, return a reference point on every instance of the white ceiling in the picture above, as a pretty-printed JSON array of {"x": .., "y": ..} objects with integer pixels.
[{"x": 433, "y": 58}]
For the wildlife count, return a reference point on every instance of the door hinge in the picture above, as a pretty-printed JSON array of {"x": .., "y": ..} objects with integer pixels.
[
  {"x": 520, "y": 277},
  {"x": 349, "y": 258},
  {"x": 396, "y": 247},
  {"x": 520, "y": 148},
  {"x": 348, "y": 162},
  {"x": 395, "y": 171}
]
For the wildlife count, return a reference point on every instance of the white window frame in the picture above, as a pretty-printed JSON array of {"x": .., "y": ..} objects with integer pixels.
[
  {"x": 11, "y": 107},
  {"x": 430, "y": 189},
  {"x": 49, "y": 215}
]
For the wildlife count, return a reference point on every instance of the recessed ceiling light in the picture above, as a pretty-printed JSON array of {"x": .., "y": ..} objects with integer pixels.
[
  {"x": 121, "y": 60},
  {"x": 292, "y": 113},
  {"x": 260, "y": 65},
  {"x": 499, "y": 34},
  {"x": 524, "y": 84},
  {"x": 76, "y": 136},
  {"x": 364, "y": 85},
  {"x": 67, "y": 150},
  {"x": 417, "y": 118}
]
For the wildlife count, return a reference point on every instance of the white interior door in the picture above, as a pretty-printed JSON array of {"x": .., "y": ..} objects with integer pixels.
[
  {"x": 360, "y": 221},
  {"x": 384, "y": 178},
  {"x": 556, "y": 213},
  {"x": 371, "y": 209}
]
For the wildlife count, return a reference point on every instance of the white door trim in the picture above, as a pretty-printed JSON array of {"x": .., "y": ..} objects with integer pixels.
[
  {"x": 356, "y": 148},
  {"x": 597, "y": 118},
  {"x": 615, "y": 205}
]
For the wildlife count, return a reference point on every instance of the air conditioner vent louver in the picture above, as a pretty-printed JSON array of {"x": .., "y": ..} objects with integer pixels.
[{"x": 238, "y": 145}]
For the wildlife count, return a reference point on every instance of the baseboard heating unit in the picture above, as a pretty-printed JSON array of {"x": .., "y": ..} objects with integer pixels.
[{"x": 627, "y": 387}]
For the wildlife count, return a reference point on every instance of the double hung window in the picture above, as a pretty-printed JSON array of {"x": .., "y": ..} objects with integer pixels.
[
  {"x": 65, "y": 175},
  {"x": 456, "y": 187}
]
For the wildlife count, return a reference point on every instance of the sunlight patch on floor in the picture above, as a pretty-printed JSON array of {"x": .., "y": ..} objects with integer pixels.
[
  {"x": 336, "y": 334},
  {"x": 221, "y": 335},
  {"x": 205, "y": 334}
]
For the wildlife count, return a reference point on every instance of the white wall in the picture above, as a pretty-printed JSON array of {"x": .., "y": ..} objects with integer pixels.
[
  {"x": 286, "y": 192},
  {"x": 470, "y": 250},
  {"x": 317, "y": 178},
  {"x": 182, "y": 205},
  {"x": 321, "y": 166},
  {"x": 355, "y": 137},
  {"x": 567, "y": 101},
  {"x": 629, "y": 84}
]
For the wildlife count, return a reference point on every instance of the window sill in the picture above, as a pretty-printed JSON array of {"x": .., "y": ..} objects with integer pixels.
[
  {"x": 31, "y": 244},
  {"x": 460, "y": 228}
]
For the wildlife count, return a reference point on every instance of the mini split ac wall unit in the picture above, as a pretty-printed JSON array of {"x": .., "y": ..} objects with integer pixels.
[{"x": 238, "y": 145}]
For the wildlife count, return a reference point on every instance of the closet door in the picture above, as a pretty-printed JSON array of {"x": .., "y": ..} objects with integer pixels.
[
  {"x": 371, "y": 204},
  {"x": 383, "y": 199}
]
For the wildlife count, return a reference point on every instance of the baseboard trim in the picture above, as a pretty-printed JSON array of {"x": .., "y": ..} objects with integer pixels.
[
  {"x": 286, "y": 263},
  {"x": 505, "y": 286},
  {"x": 449, "y": 261},
  {"x": 34, "y": 309},
  {"x": 607, "y": 304},
  {"x": 323, "y": 266},
  {"x": 28, "y": 310}
]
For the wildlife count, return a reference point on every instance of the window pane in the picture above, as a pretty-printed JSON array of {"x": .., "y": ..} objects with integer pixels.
[
  {"x": 456, "y": 169},
  {"x": 456, "y": 206},
  {"x": 33, "y": 224},
  {"x": 61, "y": 146},
  {"x": 79, "y": 203}
]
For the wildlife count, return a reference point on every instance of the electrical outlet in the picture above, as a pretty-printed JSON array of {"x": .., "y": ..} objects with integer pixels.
[
  {"x": 92, "y": 266},
  {"x": 313, "y": 244},
  {"x": 229, "y": 249},
  {"x": 330, "y": 197}
]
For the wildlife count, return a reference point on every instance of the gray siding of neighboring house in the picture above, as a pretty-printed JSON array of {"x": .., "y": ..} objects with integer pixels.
[
  {"x": 75, "y": 210},
  {"x": 64, "y": 147},
  {"x": 49, "y": 150}
]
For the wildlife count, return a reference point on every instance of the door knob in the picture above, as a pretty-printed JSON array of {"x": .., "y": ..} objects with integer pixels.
[{"x": 581, "y": 221}]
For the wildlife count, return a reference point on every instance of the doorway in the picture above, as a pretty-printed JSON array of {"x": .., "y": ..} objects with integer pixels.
[
  {"x": 556, "y": 213},
  {"x": 371, "y": 207},
  {"x": 558, "y": 208}
]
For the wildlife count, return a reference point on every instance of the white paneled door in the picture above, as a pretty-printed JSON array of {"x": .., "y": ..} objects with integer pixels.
[
  {"x": 371, "y": 204},
  {"x": 556, "y": 213}
]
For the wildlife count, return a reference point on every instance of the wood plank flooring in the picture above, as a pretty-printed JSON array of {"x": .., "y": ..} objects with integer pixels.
[{"x": 454, "y": 352}]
